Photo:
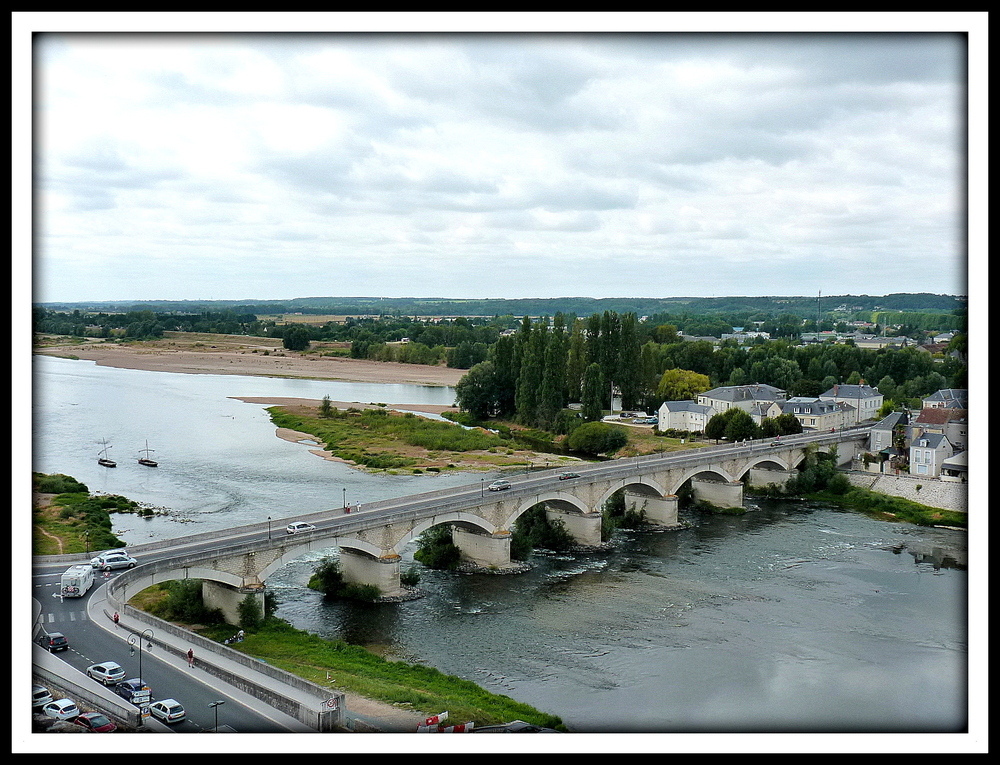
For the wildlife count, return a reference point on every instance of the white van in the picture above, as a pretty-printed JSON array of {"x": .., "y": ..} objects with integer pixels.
[{"x": 76, "y": 581}]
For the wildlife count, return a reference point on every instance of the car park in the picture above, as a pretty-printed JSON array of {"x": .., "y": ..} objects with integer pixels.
[
  {"x": 40, "y": 696},
  {"x": 113, "y": 560},
  {"x": 167, "y": 710},
  {"x": 298, "y": 528},
  {"x": 61, "y": 709},
  {"x": 500, "y": 485},
  {"x": 567, "y": 476},
  {"x": 95, "y": 722},
  {"x": 53, "y": 641},
  {"x": 107, "y": 672},
  {"x": 134, "y": 691}
]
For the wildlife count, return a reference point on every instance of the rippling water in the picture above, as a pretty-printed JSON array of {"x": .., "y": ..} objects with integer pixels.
[{"x": 789, "y": 618}]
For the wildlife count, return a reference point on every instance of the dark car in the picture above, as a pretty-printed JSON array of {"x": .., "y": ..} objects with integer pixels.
[
  {"x": 95, "y": 722},
  {"x": 53, "y": 641},
  {"x": 567, "y": 476},
  {"x": 134, "y": 691}
]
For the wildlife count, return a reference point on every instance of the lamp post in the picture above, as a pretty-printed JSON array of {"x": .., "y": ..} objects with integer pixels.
[
  {"x": 135, "y": 641},
  {"x": 345, "y": 496},
  {"x": 269, "y": 527},
  {"x": 86, "y": 537},
  {"x": 215, "y": 705},
  {"x": 482, "y": 487}
]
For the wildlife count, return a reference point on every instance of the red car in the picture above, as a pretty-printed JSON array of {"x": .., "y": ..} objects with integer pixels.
[{"x": 95, "y": 722}]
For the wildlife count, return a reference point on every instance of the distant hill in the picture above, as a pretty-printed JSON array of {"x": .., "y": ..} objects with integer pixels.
[{"x": 579, "y": 306}]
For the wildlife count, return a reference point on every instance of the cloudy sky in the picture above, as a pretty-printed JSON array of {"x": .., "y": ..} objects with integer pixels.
[{"x": 270, "y": 166}]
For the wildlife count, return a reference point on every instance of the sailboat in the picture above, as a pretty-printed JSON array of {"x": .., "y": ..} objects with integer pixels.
[
  {"x": 146, "y": 460},
  {"x": 103, "y": 459}
]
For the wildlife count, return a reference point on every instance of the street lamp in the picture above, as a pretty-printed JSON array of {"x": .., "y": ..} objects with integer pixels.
[
  {"x": 215, "y": 705},
  {"x": 86, "y": 537},
  {"x": 482, "y": 487},
  {"x": 136, "y": 641},
  {"x": 345, "y": 496},
  {"x": 269, "y": 527}
]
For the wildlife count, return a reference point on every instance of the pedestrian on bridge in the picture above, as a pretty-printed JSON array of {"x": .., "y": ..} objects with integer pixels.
[
  {"x": 190, "y": 657},
  {"x": 115, "y": 619}
]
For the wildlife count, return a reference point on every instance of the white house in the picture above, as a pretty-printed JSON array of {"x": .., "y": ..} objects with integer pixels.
[
  {"x": 928, "y": 452},
  {"x": 865, "y": 399},
  {"x": 743, "y": 396},
  {"x": 683, "y": 415},
  {"x": 817, "y": 414},
  {"x": 954, "y": 398}
]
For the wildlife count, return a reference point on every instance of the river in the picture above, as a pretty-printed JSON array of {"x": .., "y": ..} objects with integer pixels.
[{"x": 790, "y": 618}]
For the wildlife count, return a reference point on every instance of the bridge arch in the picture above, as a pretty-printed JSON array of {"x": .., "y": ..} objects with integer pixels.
[
  {"x": 462, "y": 519},
  {"x": 646, "y": 485},
  {"x": 562, "y": 500},
  {"x": 709, "y": 474}
]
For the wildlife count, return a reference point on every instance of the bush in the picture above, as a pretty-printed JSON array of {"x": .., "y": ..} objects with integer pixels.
[{"x": 597, "y": 438}]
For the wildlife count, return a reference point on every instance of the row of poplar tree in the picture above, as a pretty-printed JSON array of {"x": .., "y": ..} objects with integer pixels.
[{"x": 530, "y": 376}]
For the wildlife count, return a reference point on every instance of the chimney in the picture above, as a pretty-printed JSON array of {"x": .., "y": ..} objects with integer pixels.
[{"x": 835, "y": 389}]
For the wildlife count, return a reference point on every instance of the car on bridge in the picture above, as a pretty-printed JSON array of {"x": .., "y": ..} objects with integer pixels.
[
  {"x": 134, "y": 691},
  {"x": 167, "y": 710},
  {"x": 500, "y": 485},
  {"x": 107, "y": 672},
  {"x": 53, "y": 641},
  {"x": 567, "y": 476},
  {"x": 109, "y": 560},
  {"x": 298, "y": 528}
]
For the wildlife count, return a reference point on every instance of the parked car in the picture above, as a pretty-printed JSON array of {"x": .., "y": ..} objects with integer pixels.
[
  {"x": 134, "y": 691},
  {"x": 167, "y": 710},
  {"x": 95, "y": 722},
  {"x": 297, "y": 528},
  {"x": 567, "y": 476},
  {"x": 107, "y": 672},
  {"x": 111, "y": 560},
  {"x": 53, "y": 641},
  {"x": 40, "y": 696},
  {"x": 62, "y": 709},
  {"x": 500, "y": 485}
]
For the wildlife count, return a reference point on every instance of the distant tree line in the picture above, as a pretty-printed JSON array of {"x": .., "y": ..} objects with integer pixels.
[{"x": 533, "y": 374}]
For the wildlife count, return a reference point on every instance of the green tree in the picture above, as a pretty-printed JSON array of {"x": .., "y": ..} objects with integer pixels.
[
  {"x": 597, "y": 438},
  {"x": 740, "y": 425},
  {"x": 478, "y": 391},
  {"x": 594, "y": 393},
  {"x": 325, "y": 407},
  {"x": 295, "y": 338},
  {"x": 681, "y": 385}
]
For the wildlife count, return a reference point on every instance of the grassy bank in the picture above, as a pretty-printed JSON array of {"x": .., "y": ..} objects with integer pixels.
[
  {"x": 67, "y": 518},
  {"x": 889, "y": 508},
  {"x": 340, "y": 666},
  {"x": 379, "y": 439}
]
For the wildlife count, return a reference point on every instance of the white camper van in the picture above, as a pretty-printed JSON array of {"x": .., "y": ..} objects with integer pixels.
[{"x": 77, "y": 580}]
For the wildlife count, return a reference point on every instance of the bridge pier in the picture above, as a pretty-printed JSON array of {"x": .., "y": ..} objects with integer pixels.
[
  {"x": 718, "y": 493},
  {"x": 585, "y": 528},
  {"x": 490, "y": 551},
  {"x": 763, "y": 477},
  {"x": 361, "y": 568},
  {"x": 657, "y": 511},
  {"x": 227, "y": 598}
]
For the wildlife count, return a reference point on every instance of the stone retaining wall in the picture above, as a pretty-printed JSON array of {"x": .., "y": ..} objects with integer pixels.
[{"x": 946, "y": 495}]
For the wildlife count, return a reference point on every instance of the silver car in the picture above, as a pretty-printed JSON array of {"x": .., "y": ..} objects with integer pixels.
[
  {"x": 111, "y": 560},
  {"x": 107, "y": 672},
  {"x": 167, "y": 710}
]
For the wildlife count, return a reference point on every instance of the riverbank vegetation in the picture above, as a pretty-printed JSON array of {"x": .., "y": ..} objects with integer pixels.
[
  {"x": 338, "y": 665},
  {"x": 68, "y": 519}
]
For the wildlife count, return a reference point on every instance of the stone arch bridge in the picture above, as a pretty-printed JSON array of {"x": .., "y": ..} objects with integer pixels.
[{"x": 236, "y": 563}]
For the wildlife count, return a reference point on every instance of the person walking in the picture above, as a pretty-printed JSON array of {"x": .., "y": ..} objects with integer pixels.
[
  {"x": 190, "y": 657},
  {"x": 115, "y": 619}
]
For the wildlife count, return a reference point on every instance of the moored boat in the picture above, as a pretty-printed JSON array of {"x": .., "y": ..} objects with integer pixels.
[
  {"x": 104, "y": 459},
  {"x": 146, "y": 460}
]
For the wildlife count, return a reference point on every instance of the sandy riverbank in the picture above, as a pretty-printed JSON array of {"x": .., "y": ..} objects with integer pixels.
[{"x": 237, "y": 355}]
